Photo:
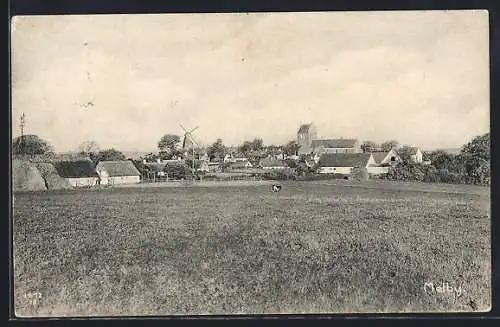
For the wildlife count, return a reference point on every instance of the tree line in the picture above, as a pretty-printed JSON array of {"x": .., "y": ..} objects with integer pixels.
[{"x": 470, "y": 165}]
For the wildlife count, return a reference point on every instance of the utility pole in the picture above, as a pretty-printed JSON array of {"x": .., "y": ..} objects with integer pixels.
[{"x": 21, "y": 125}]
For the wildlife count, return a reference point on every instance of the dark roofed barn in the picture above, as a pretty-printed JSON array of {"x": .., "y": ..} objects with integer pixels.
[{"x": 79, "y": 173}]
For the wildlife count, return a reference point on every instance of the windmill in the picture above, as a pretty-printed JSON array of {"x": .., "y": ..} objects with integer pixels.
[{"x": 188, "y": 142}]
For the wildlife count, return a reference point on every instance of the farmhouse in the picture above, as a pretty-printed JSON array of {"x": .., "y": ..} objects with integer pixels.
[
  {"x": 344, "y": 163},
  {"x": 272, "y": 164},
  {"x": 80, "y": 173},
  {"x": 118, "y": 172}
]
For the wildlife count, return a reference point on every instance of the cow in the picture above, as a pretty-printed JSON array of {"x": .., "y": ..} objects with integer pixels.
[{"x": 276, "y": 188}]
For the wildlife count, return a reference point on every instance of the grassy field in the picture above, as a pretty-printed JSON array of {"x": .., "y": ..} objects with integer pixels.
[{"x": 314, "y": 247}]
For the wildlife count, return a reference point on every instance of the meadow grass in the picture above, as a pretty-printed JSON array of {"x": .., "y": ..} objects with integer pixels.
[{"x": 311, "y": 248}]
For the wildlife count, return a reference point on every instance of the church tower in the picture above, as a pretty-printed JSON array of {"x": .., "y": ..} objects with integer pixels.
[{"x": 305, "y": 135}]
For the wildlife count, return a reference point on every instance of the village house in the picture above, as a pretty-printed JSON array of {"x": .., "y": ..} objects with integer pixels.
[
  {"x": 118, "y": 172},
  {"x": 228, "y": 158},
  {"x": 213, "y": 166},
  {"x": 272, "y": 164},
  {"x": 79, "y": 173},
  {"x": 416, "y": 154},
  {"x": 240, "y": 159},
  {"x": 344, "y": 163}
]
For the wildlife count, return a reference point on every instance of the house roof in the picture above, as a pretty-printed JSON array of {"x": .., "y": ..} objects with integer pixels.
[
  {"x": 239, "y": 164},
  {"x": 379, "y": 156},
  {"x": 304, "y": 128},
  {"x": 344, "y": 159},
  {"x": 272, "y": 163},
  {"x": 413, "y": 150},
  {"x": 119, "y": 168},
  {"x": 75, "y": 169},
  {"x": 334, "y": 143}
]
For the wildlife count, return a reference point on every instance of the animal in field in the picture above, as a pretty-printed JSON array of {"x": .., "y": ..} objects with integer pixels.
[{"x": 276, "y": 188}]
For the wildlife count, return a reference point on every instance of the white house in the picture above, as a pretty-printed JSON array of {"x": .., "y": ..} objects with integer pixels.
[
  {"x": 228, "y": 158},
  {"x": 344, "y": 163},
  {"x": 416, "y": 155},
  {"x": 118, "y": 172}
]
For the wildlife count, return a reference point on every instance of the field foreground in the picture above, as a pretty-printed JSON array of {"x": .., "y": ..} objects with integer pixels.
[{"x": 314, "y": 247}]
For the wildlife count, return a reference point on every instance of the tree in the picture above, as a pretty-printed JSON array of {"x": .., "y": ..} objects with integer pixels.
[
  {"x": 30, "y": 145},
  {"x": 108, "y": 155},
  {"x": 217, "y": 150},
  {"x": 476, "y": 155},
  {"x": 168, "y": 143},
  {"x": 404, "y": 153},
  {"x": 290, "y": 163},
  {"x": 273, "y": 150},
  {"x": 245, "y": 148},
  {"x": 369, "y": 146},
  {"x": 441, "y": 159},
  {"x": 360, "y": 173},
  {"x": 257, "y": 144},
  {"x": 389, "y": 145},
  {"x": 89, "y": 148},
  {"x": 479, "y": 147},
  {"x": 177, "y": 171},
  {"x": 291, "y": 148}
]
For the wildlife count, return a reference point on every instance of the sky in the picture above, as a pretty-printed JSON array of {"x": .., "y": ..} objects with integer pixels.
[{"x": 419, "y": 77}]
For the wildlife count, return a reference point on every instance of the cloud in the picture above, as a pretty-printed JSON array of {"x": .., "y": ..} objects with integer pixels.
[{"x": 419, "y": 77}]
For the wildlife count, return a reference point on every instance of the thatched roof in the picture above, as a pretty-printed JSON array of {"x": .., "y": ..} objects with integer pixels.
[
  {"x": 239, "y": 164},
  {"x": 334, "y": 143},
  {"x": 344, "y": 159},
  {"x": 75, "y": 169},
  {"x": 379, "y": 156},
  {"x": 118, "y": 168}
]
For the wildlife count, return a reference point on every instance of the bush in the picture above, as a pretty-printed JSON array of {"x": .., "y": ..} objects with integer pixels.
[
  {"x": 360, "y": 174},
  {"x": 321, "y": 177},
  {"x": 284, "y": 174}
]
